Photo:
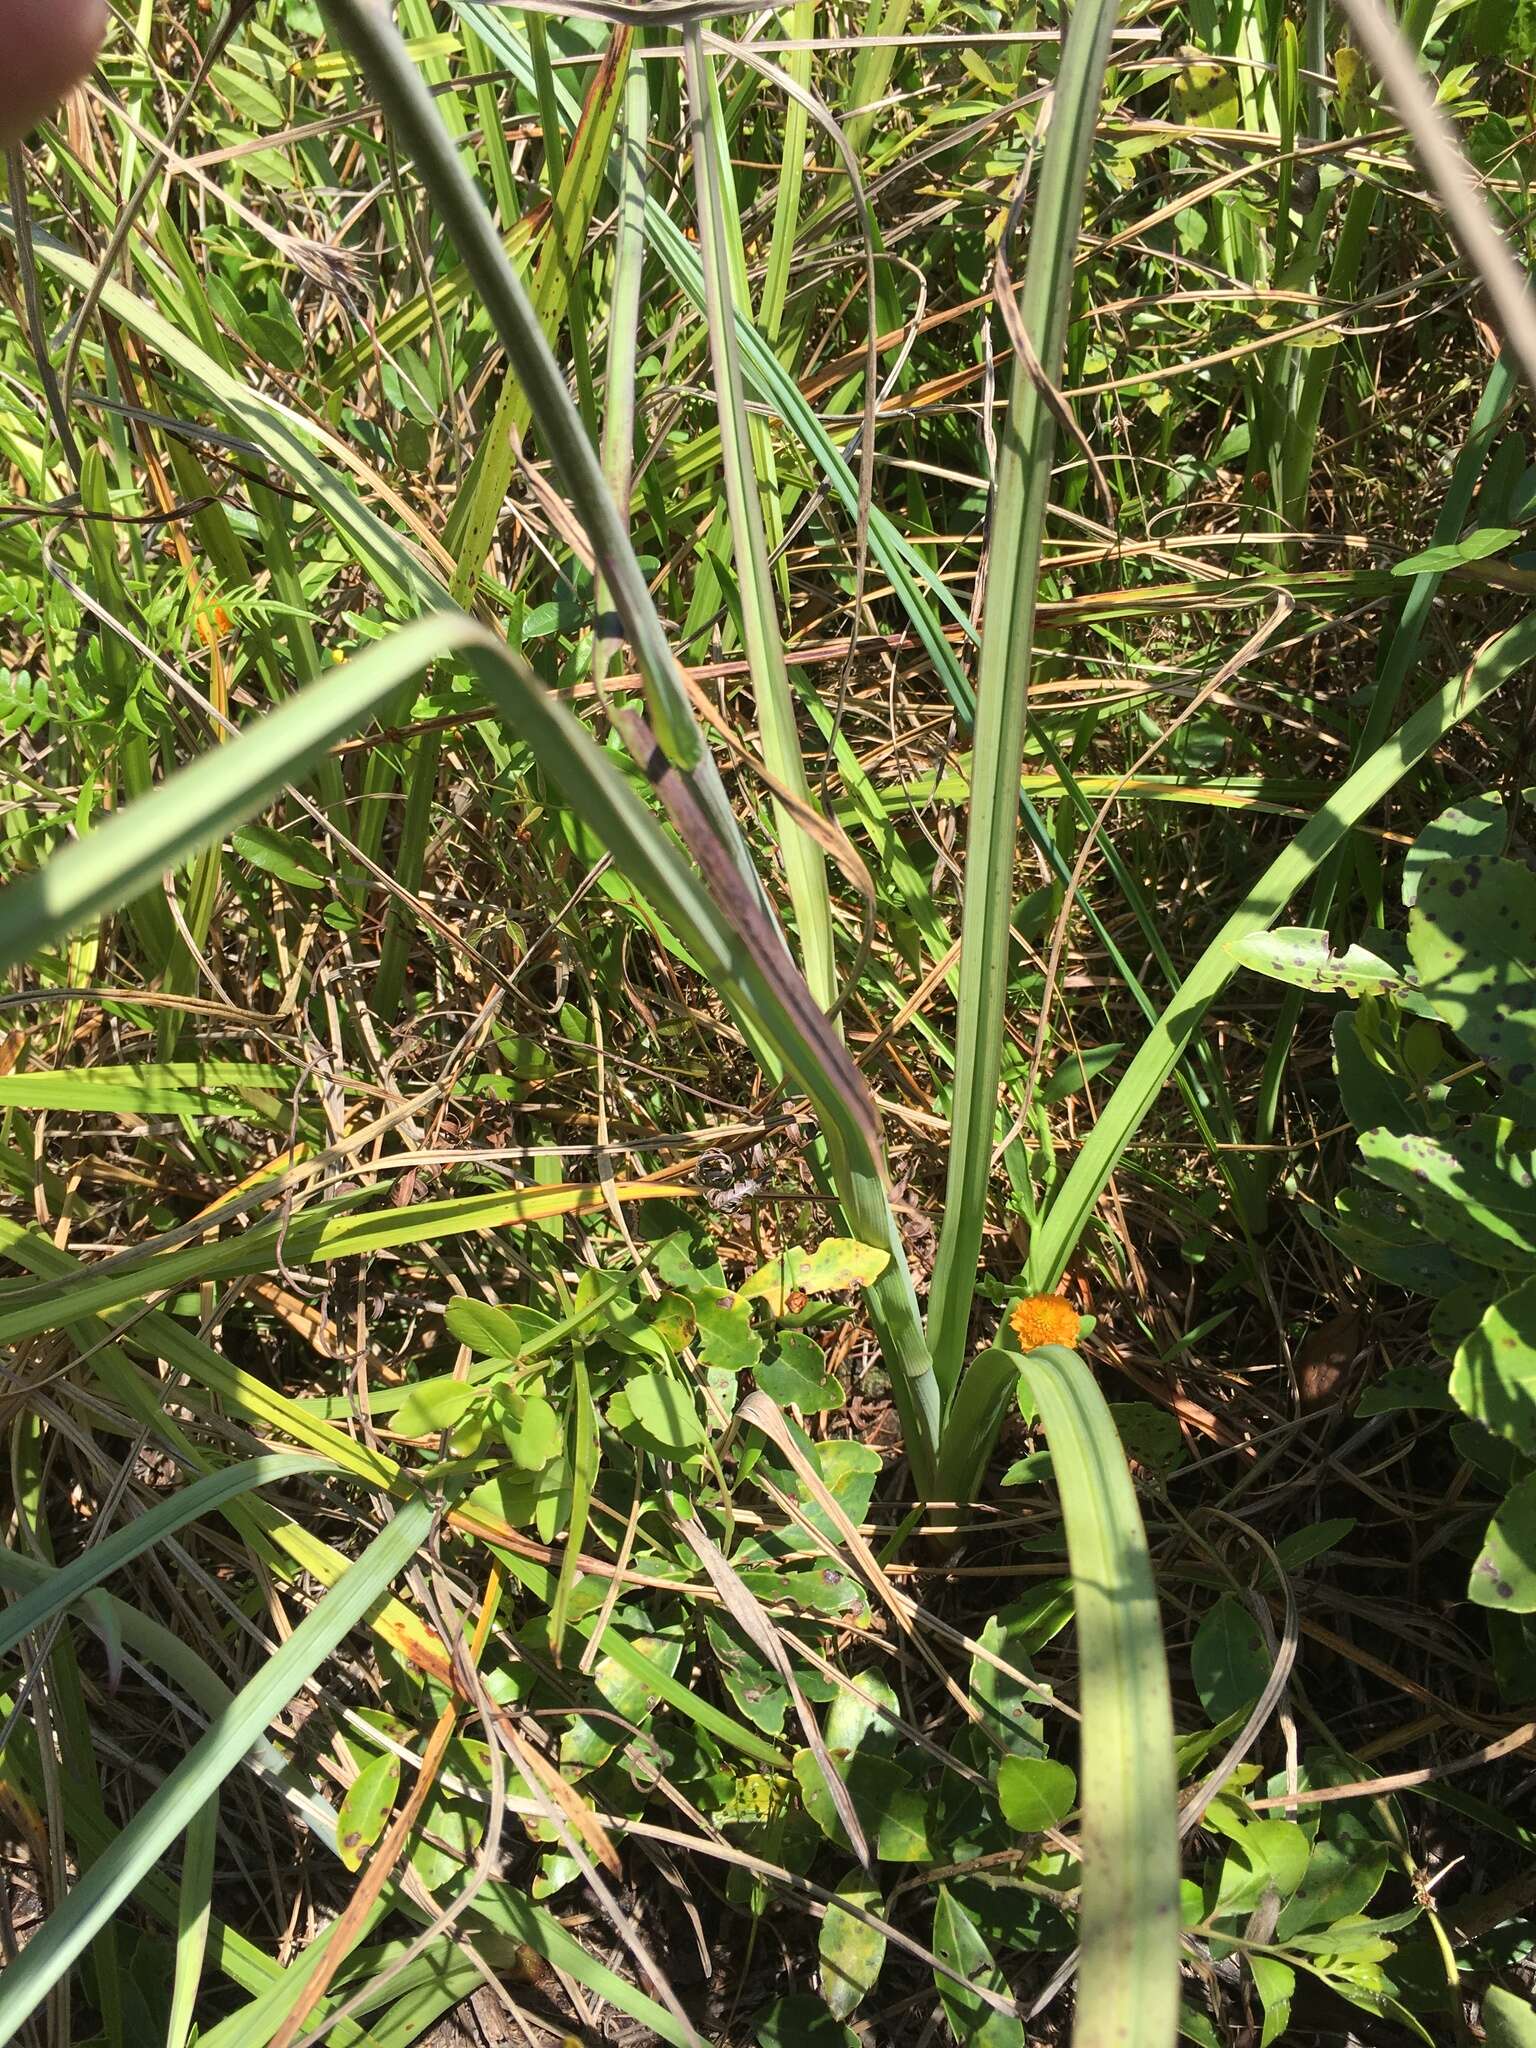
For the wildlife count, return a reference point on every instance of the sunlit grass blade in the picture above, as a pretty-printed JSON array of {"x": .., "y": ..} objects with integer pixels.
[
  {"x": 478, "y": 509},
  {"x": 804, "y": 862},
  {"x": 1136, "y": 1091},
  {"x": 1020, "y": 489},
  {"x": 194, "y": 1903},
  {"x": 1128, "y": 1927},
  {"x": 141, "y": 1845},
  {"x": 618, "y": 436},
  {"x": 382, "y": 57}
]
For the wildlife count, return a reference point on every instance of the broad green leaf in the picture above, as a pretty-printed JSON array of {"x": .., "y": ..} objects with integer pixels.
[
  {"x": 958, "y": 1941},
  {"x": 435, "y": 1405},
  {"x": 531, "y": 1431},
  {"x": 1354, "y": 94},
  {"x": 1228, "y": 1660},
  {"x": 1274, "y": 1981},
  {"x": 1303, "y": 1545},
  {"x": 1195, "y": 2026},
  {"x": 1476, "y": 825},
  {"x": 1508, "y": 2021},
  {"x": 891, "y": 1809},
  {"x": 726, "y": 1338},
  {"x": 1009, "y": 1706},
  {"x": 756, "y": 1688},
  {"x": 1494, "y": 1378},
  {"x": 1504, "y": 1575},
  {"x": 1077, "y": 1071},
  {"x": 1407, "y": 1386},
  {"x": 665, "y": 1409},
  {"x": 1151, "y": 1435},
  {"x": 846, "y": 1469},
  {"x": 853, "y": 1721},
  {"x": 1472, "y": 935},
  {"x": 851, "y": 1950},
  {"x": 444, "y": 1841},
  {"x": 1309, "y": 959},
  {"x": 801, "y": 2021},
  {"x": 796, "y": 1376},
  {"x": 1474, "y": 1188},
  {"x": 1034, "y": 1792},
  {"x": 489, "y": 1331},
  {"x": 284, "y": 855},
  {"x": 1379, "y": 1232},
  {"x": 1266, "y": 1856},
  {"x": 630, "y": 1686},
  {"x": 1342, "y": 1879},
  {"x": 1204, "y": 95},
  {"x": 365, "y": 1810},
  {"x": 835, "y": 1264},
  {"x": 1376, "y": 1095}
]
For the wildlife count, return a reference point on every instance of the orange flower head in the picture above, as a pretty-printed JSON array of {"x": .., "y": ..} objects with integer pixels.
[{"x": 1045, "y": 1319}]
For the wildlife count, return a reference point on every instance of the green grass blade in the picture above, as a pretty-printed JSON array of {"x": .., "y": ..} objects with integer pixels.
[
  {"x": 885, "y": 22},
  {"x": 1401, "y": 653},
  {"x": 66, "y": 1583},
  {"x": 406, "y": 585},
  {"x": 472, "y": 523},
  {"x": 194, "y": 1902},
  {"x": 138, "y": 1849},
  {"x": 618, "y": 442},
  {"x": 1002, "y": 698},
  {"x": 574, "y": 190},
  {"x": 804, "y": 862},
  {"x": 384, "y": 61},
  {"x": 1128, "y": 1971},
  {"x": 383, "y": 58},
  {"x": 1137, "y": 1089},
  {"x": 799, "y": 23}
]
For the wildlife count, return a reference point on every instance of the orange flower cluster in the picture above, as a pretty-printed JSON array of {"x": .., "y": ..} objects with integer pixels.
[{"x": 1045, "y": 1319}]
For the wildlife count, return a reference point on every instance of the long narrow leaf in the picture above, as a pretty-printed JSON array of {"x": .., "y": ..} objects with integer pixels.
[
  {"x": 1128, "y": 1972},
  {"x": 1002, "y": 697},
  {"x": 804, "y": 863}
]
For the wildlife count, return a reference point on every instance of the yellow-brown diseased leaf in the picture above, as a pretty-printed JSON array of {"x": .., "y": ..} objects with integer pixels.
[
  {"x": 1353, "y": 91},
  {"x": 836, "y": 1263},
  {"x": 1203, "y": 95},
  {"x": 851, "y": 1950}
]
